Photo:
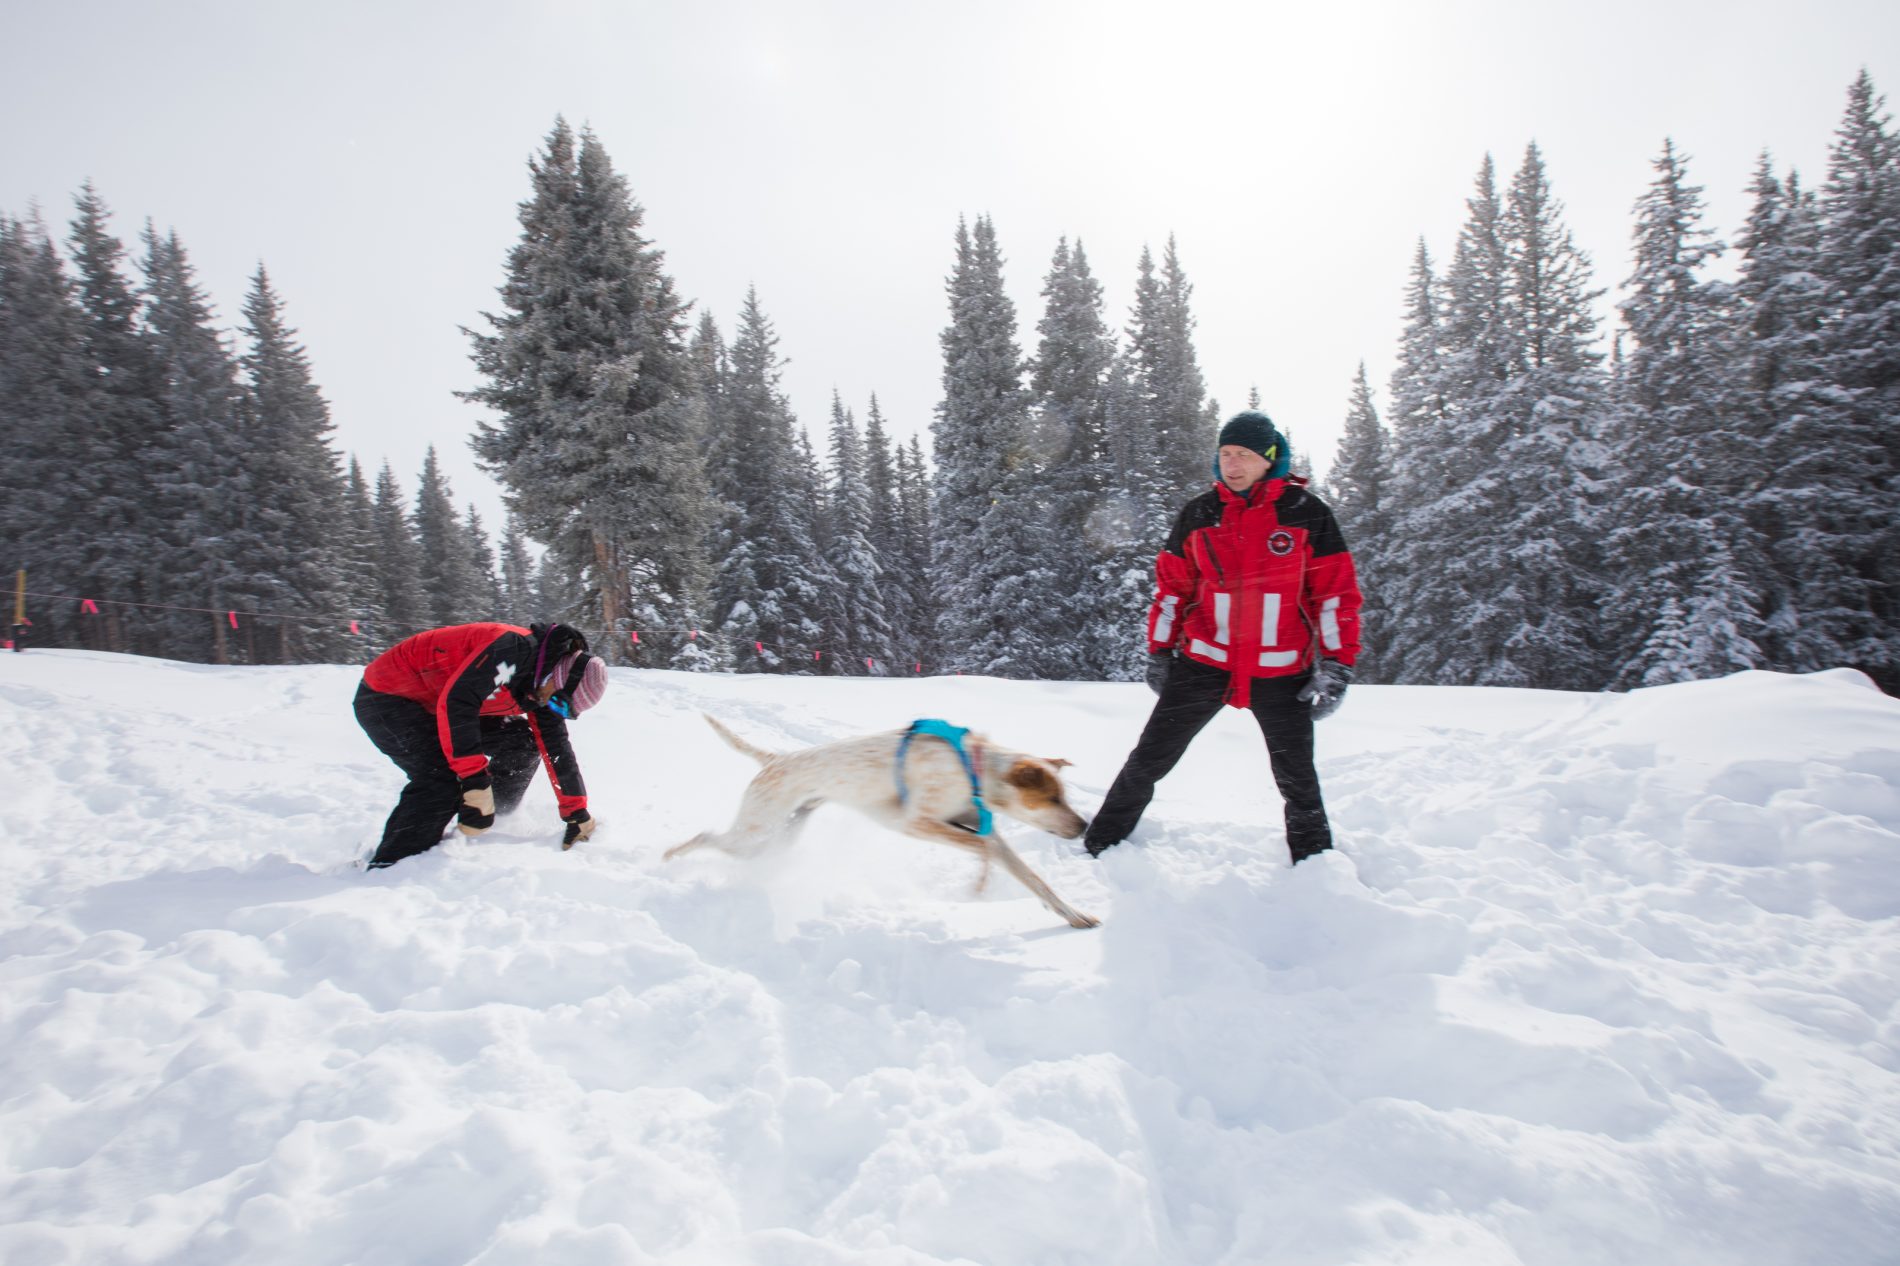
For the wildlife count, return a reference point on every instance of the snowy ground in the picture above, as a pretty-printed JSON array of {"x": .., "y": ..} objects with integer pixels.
[{"x": 1593, "y": 979}]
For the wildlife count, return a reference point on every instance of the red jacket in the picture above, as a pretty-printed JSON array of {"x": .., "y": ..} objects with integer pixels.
[
  {"x": 1258, "y": 584},
  {"x": 465, "y": 672}
]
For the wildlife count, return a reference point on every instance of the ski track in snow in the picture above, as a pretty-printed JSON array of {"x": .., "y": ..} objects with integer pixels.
[{"x": 1592, "y": 979}]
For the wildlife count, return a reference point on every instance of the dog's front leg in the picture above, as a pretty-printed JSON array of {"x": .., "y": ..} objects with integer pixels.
[{"x": 994, "y": 845}]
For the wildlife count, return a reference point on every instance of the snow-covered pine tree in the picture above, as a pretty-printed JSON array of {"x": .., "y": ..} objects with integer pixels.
[
  {"x": 1686, "y": 461},
  {"x": 882, "y": 476},
  {"x": 1168, "y": 384},
  {"x": 1812, "y": 600},
  {"x": 457, "y": 590},
  {"x": 1358, "y": 487},
  {"x": 1490, "y": 577},
  {"x": 362, "y": 582},
  {"x": 293, "y": 463},
  {"x": 990, "y": 542},
  {"x": 1451, "y": 366},
  {"x": 1124, "y": 527},
  {"x": 210, "y": 552},
  {"x": 43, "y": 390},
  {"x": 857, "y": 620},
  {"x": 398, "y": 558},
  {"x": 1552, "y": 457},
  {"x": 1070, "y": 380},
  {"x": 767, "y": 598},
  {"x": 519, "y": 601},
  {"x": 916, "y": 552},
  {"x": 110, "y": 464},
  {"x": 485, "y": 597},
  {"x": 596, "y": 427},
  {"x": 1860, "y": 264}
]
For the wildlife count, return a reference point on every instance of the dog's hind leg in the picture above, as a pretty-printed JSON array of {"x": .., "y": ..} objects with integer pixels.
[
  {"x": 795, "y": 825},
  {"x": 769, "y": 813}
]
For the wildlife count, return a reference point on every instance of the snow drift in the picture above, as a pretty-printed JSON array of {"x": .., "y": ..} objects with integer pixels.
[{"x": 1592, "y": 979}]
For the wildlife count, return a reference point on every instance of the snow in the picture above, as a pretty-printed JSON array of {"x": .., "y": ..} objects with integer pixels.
[{"x": 1592, "y": 979}]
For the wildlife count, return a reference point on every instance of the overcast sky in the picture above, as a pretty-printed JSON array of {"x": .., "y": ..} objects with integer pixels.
[{"x": 372, "y": 156}]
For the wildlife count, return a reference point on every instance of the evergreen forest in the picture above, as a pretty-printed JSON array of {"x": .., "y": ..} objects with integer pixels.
[{"x": 1706, "y": 481}]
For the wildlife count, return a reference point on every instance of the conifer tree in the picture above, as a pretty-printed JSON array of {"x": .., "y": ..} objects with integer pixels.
[
  {"x": 519, "y": 602},
  {"x": 597, "y": 430},
  {"x": 456, "y": 582},
  {"x": 398, "y": 557},
  {"x": 211, "y": 551},
  {"x": 768, "y": 595},
  {"x": 297, "y": 471},
  {"x": 917, "y": 551},
  {"x": 1490, "y": 575},
  {"x": 857, "y": 620},
  {"x": 989, "y": 557},
  {"x": 1858, "y": 442},
  {"x": 1359, "y": 490},
  {"x": 1687, "y": 461},
  {"x": 1169, "y": 396},
  {"x": 1070, "y": 380},
  {"x": 43, "y": 390},
  {"x": 362, "y": 581},
  {"x": 118, "y": 420}
]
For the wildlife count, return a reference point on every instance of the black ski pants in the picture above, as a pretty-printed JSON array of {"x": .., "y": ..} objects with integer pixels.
[
  {"x": 1193, "y": 694},
  {"x": 404, "y": 731}
]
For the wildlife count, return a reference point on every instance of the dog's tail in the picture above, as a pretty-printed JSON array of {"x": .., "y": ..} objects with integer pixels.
[{"x": 758, "y": 754}]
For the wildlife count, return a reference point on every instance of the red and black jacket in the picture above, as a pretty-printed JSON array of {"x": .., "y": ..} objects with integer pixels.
[
  {"x": 1258, "y": 583},
  {"x": 465, "y": 672}
]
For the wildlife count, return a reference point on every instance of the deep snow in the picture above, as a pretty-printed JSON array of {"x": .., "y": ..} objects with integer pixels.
[{"x": 1592, "y": 979}]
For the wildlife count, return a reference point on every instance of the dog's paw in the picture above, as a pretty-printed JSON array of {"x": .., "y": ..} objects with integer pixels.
[{"x": 1080, "y": 920}]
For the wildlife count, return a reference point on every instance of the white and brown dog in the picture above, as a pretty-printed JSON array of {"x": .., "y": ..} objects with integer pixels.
[{"x": 863, "y": 773}]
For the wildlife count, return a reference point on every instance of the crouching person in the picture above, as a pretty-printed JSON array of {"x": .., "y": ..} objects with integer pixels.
[{"x": 466, "y": 712}]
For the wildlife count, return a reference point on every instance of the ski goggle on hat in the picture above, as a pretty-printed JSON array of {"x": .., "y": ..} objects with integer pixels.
[{"x": 583, "y": 679}]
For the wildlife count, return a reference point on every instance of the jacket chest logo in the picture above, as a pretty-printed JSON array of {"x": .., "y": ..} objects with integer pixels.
[
  {"x": 503, "y": 671},
  {"x": 1280, "y": 543}
]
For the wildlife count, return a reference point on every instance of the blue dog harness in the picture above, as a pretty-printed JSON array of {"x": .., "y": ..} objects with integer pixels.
[{"x": 953, "y": 735}]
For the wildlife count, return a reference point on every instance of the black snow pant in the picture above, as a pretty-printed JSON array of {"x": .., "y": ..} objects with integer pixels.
[
  {"x": 404, "y": 731},
  {"x": 1193, "y": 694}
]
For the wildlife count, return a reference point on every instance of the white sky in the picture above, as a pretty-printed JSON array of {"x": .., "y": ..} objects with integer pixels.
[{"x": 372, "y": 156}]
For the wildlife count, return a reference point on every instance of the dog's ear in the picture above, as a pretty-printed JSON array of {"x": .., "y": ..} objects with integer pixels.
[
  {"x": 1059, "y": 762},
  {"x": 1028, "y": 774}
]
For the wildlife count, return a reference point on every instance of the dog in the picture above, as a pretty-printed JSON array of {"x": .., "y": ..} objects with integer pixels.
[{"x": 863, "y": 773}]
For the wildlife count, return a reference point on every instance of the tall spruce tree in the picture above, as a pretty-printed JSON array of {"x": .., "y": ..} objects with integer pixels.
[
  {"x": 291, "y": 460},
  {"x": 770, "y": 588},
  {"x": 363, "y": 606},
  {"x": 858, "y": 618},
  {"x": 112, "y": 459},
  {"x": 1359, "y": 489},
  {"x": 401, "y": 594},
  {"x": 1860, "y": 356},
  {"x": 1687, "y": 462},
  {"x": 917, "y": 553},
  {"x": 597, "y": 426},
  {"x": 1070, "y": 381},
  {"x": 990, "y": 545},
  {"x": 457, "y": 587},
  {"x": 1490, "y": 578},
  {"x": 210, "y": 557},
  {"x": 43, "y": 389}
]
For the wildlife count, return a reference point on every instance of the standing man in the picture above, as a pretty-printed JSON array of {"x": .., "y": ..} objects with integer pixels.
[
  {"x": 465, "y": 711},
  {"x": 1257, "y": 606}
]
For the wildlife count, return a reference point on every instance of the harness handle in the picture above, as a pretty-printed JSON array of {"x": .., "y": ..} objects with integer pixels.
[{"x": 953, "y": 735}]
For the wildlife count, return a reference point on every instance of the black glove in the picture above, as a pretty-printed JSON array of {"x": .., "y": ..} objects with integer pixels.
[
  {"x": 477, "y": 813},
  {"x": 1326, "y": 688},
  {"x": 580, "y": 825},
  {"x": 1160, "y": 664}
]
